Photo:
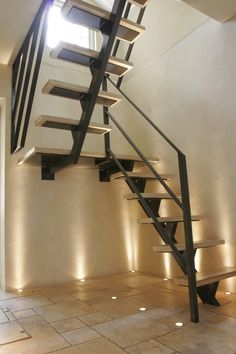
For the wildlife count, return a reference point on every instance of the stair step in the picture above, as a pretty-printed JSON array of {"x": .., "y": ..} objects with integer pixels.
[
  {"x": 204, "y": 278},
  {"x": 76, "y": 92},
  {"x": 148, "y": 176},
  {"x": 167, "y": 219},
  {"x": 85, "y": 56},
  {"x": 181, "y": 246},
  {"x": 139, "y": 3},
  {"x": 134, "y": 196},
  {"x": 82, "y": 13},
  {"x": 68, "y": 124},
  {"x": 33, "y": 156}
]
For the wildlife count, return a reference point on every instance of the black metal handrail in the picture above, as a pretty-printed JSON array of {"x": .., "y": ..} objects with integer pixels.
[
  {"x": 25, "y": 75},
  {"x": 185, "y": 205}
]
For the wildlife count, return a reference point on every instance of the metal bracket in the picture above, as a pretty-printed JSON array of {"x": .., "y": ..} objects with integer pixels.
[{"x": 207, "y": 293}]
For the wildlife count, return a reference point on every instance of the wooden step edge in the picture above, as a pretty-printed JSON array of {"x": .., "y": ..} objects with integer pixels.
[
  {"x": 84, "y": 154},
  {"x": 42, "y": 151},
  {"x": 196, "y": 244},
  {"x": 116, "y": 66},
  {"x": 80, "y": 89},
  {"x": 48, "y": 121},
  {"x": 139, "y": 3},
  {"x": 99, "y": 12},
  {"x": 119, "y": 175},
  {"x": 134, "y": 196},
  {"x": 86, "y": 7},
  {"x": 169, "y": 219},
  {"x": 204, "y": 278}
]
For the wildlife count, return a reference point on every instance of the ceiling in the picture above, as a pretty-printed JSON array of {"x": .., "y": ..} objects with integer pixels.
[
  {"x": 220, "y": 10},
  {"x": 16, "y": 17}
]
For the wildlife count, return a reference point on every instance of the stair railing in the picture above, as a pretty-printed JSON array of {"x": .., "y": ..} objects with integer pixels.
[
  {"x": 188, "y": 267},
  {"x": 25, "y": 75}
]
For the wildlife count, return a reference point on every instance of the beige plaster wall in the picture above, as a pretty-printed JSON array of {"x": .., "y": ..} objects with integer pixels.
[{"x": 188, "y": 89}]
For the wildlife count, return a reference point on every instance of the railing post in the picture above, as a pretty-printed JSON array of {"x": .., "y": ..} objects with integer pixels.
[
  {"x": 106, "y": 121},
  {"x": 191, "y": 272}
]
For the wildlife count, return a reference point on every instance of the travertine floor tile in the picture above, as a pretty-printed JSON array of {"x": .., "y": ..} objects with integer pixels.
[
  {"x": 11, "y": 332},
  {"x": 173, "y": 302},
  {"x": 120, "y": 307},
  {"x": 44, "y": 339},
  {"x": 96, "y": 346},
  {"x": 24, "y": 303},
  {"x": 67, "y": 325},
  {"x": 135, "y": 329},
  {"x": 95, "y": 318},
  {"x": 200, "y": 338},
  {"x": 6, "y": 295},
  {"x": 96, "y": 296},
  {"x": 23, "y": 314},
  {"x": 67, "y": 289},
  {"x": 64, "y": 310},
  {"x": 3, "y": 317},
  {"x": 81, "y": 335},
  {"x": 150, "y": 347},
  {"x": 141, "y": 280}
]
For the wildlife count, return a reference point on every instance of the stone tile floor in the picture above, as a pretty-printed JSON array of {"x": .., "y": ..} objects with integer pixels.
[{"x": 82, "y": 317}]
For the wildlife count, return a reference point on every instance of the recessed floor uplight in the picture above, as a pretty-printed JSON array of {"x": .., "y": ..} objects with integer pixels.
[
  {"x": 20, "y": 290},
  {"x": 132, "y": 271},
  {"x": 142, "y": 309},
  {"x": 114, "y": 297},
  {"x": 165, "y": 279},
  {"x": 82, "y": 280},
  {"x": 179, "y": 324},
  {"x": 227, "y": 293}
]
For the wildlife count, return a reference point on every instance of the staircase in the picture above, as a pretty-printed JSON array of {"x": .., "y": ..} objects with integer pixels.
[{"x": 114, "y": 29}]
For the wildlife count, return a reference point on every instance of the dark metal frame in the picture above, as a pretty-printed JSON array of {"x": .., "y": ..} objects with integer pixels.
[
  {"x": 25, "y": 76},
  {"x": 186, "y": 261}
]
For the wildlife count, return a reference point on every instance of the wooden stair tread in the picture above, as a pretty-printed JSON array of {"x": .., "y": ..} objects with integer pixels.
[
  {"x": 119, "y": 175},
  {"x": 168, "y": 219},
  {"x": 33, "y": 155},
  {"x": 181, "y": 246},
  {"x": 84, "y": 56},
  {"x": 68, "y": 124},
  {"x": 134, "y": 196},
  {"x": 139, "y": 3},
  {"x": 68, "y": 90},
  {"x": 204, "y": 278},
  {"x": 83, "y": 13}
]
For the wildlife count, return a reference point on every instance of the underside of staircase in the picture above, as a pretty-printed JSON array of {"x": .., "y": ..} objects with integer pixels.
[{"x": 135, "y": 170}]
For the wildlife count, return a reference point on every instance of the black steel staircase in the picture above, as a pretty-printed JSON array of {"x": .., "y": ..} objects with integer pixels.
[{"x": 114, "y": 27}]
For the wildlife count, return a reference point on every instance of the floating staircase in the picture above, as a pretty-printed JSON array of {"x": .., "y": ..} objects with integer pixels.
[{"x": 116, "y": 27}]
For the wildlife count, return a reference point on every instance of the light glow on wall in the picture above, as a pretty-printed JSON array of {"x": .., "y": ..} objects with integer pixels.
[{"x": 61, "y": 30}]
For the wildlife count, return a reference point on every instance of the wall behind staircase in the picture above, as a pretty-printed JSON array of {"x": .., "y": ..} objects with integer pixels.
[{"x": 188, "y": 89}]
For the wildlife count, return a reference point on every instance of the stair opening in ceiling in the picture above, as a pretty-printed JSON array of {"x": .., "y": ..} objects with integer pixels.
[{"x": 60, "y": 30}]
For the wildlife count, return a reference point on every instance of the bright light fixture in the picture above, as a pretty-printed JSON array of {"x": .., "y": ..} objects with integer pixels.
[
  {"x": 61, "y": 30},
  {"x": 165, "y": 279},
  {"x": 179, "y": 324},
  {"x": 132, "y": 271},
  {"x": 142, "y": 309},
  {"x": 227, "y": 293},
  {"x": 114, "y": 297},
  {"x": 82, "y": 280},
  {"x": 20, "y": 290}
]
